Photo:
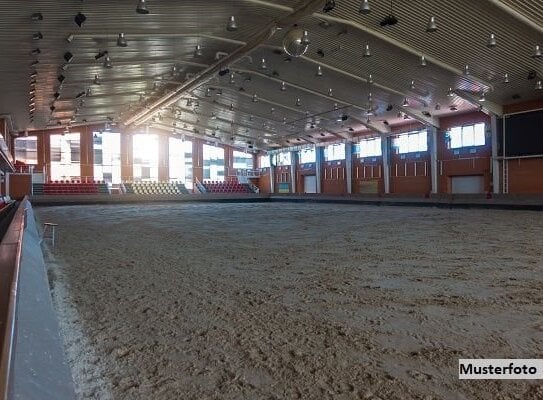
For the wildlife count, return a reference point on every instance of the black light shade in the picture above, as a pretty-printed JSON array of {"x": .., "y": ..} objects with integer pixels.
[
  {"x": 79, "y": 19},
  {"x": 142, "y": 7},
  {"x": 37, "y": 17},
  {"x": 36, "y": 51},
  {"x": 100, "y": 55},
  {"x": 329, "y": 6},
  {"x": 37, "y": 36},
  {"x": 56, "y": 95},
  {"x": 121, "y": 40},
  {"x": 61, "y": 78},
  {"x": 68, "y": 56},
  {"x": 52, "y": 108}
]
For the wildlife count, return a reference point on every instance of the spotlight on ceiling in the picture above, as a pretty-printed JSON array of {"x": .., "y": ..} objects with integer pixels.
[
  {"x": 423, "y": 61},
  {"x": 37, "y": 36},
  {"x": 412, "y": 85},
  {"x": 68, "y": 57},
  {"x": 431, "y": 27},
  {"x": 329, "y": 6},
  {"x": 466, "y": 70},
  {"x": 319, "y": 71},
  {"x": 537, "y": 52},
  {"x": 79, "y": 19},
  {"x": 367, "y": 52},
  {"x": 198, "y": 51},
  {"x": 37, "y": 17},
  {"x": 107, "y": 62},
  {"x": 506, "y": 78},
  {"x": 305, "y": 39},
  {"x": 370, "y": 79},
  {"x": 283, "y": 86},
  {"x": 330, "y": 92},
  {"x": 232, "y": 78},
  {"x": 232, "y": 26},
  {"x": 491, "y": 41},
  {"x": 141, "y": 8},
  {"x": 255, "y": 98},
  {"x": 121, "y": 40},
  {"x": 97, "y": 80},
  {"x": 298, "y": 102},
  {"x": 263, "y": 64},
  {"x": 364, "y": 7}
]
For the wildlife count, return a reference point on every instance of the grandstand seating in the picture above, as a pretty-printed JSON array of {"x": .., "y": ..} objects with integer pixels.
[
  {"x": 226, "y": 187},
  {"x": 69, "y": 187},
  {"x": 155, "y": 188}
]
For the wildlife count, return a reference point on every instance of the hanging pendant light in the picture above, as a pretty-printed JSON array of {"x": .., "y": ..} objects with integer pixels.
[
  {"x": 450, "y": 92},
  {"x": 208, "y": 92},
  {"x": 319, "y": 71},
  {"x": 539, "y": 85},
  {"x": 107, "y": 62},
  {"x": 370, "y": 79},
  {"x": 330, "y": 92},
  {"x": 142, "y": 7},
  {"x": 537, "y": 52},
  {"x": 232, "y": 78},
  {"x": 405, "y": 102},
  {"x": 232, "y": 26},
  {"x": 412, "y": 85},
  {"x": 491, "y": 41},
  {"x": 263, "y": 64},
  {"x": 423, "y": 61},
  {"x": 364, "y": 7},
  {"x": 466, "y": 70},
  {"x": 198, "y": 51},
  {"x": 298, "y": 102},
  {"x": 305, "y": 39},
  {"x": 367, "y": 52},
  {"x": 483, "y": 97},
  {"x": 121, "y": 40},
  {"x": 283, "y": 86},
  {"x": 431, "y": 27},
  {"x": 255, "y": 98},
  {"x": 506, "y": 78}
]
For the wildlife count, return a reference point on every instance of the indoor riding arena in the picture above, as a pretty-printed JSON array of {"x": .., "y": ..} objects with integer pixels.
[{"x": 253, "y": 199}]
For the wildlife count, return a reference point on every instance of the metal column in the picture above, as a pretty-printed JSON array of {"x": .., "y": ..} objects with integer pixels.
[
  {"x": 293, "y": 165},
  {"x": 349, "y": 166},
  {"x": 432, "y": 141},
  {"x": 495, "y": 161},
  {"x": 272, "y": 174},
  {"x": 385, "y": 149},
  {"x": 318, "y": 166}
]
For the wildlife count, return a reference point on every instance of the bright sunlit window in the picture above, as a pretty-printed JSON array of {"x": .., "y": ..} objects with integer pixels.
[
  {"x": 145, "y": 157},
  {"x": 265, "y": 161},
  {"x": 65, "y": 156},
  {"x": 334, "y": 152},
  {"x": 181, "y": 161},
  {"x": 467, "y": 136},
  {"x": 213, "y": 163},
  {"x": 368, "y": 148},
  {"x": 26, "y": 149},
  {"x": 242, "y": 160},
  {"x": 283, "y": 158},
  {"x": 308, "y": 155},
  {"x": 107, "y": 156},
  {"x": 411, "y": 142}
]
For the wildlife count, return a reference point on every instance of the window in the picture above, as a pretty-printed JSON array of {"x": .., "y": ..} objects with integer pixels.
[
  {"x": 180, "y": 161},
  {"x": 242, "y": 160},
  {"x": 334, "y": 152},
  {"x": 107, "y": 156},
  {"x": 213, "y": 163},
  {"x": 65, "y": 156},
  {"x": 308, "y": 155},
  {"x": 467, "y": 136},
  {"x": 145, "y": 157},
  {"x": 26, "y": 150},
  {"x": 283, "y": 158},
  {"x": 411, "y": 142},
  {"x": 368, "y": 148},
  {"x": 265, "y": 161}
]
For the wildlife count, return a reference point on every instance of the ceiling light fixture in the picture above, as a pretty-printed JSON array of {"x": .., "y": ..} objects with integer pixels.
[
  {"x": 79, "y": 19},
  {"x": 329, "y": 6},
  {"x": 255, "y": 98},
  {"x": 491, "y": 41},
  {"x": 412, "y": 85},
  {"x": 537, "y": 52},
  {"x": 37, "y": 36},
  {"x": 107, "y": 62},
  {"x": 121, "y": 40},
  {"x": 367, "y": 52},
  {"x": 141, "y": 8},
  {"x": 506, "y": 78},
  {"x": 61, "y": 78},
  {"x": 482, "y": 98},
  {"x": 37, "y": 17},
  {"x": 232, "y": 26},
  {"x": 370, "y": 79},
  {"x": 364, "y": 7},
  {"x": 263, "y": 64},
  {"x": 431, "y": 27},
  {"x": 35, "y": 51},
  {"x": 198, "y": 51},
  {"x": 283, "y": 86},
  {"x": 305, "y": 39},
  {"x": 232, "y": 78},
  {"x": 97, "y": 80},
  {"x": 405, "y": 102},
  {"x": 298, "y": 102},
  {"x": 319, "y": 71},
  {"x": 423, "y": 61},
  {"x": 450, "y": 92},
  {"x": 539, "y": 85},
  {"x": 330, "y": 92},
  {"x": 466, "y": 70},
  {"x": 68, "y": 57},
  {"x": 88, "y": 93}
]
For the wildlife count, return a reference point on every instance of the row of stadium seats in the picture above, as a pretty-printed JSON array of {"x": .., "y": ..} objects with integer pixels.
[
  {"x": 155, "y": 188},
  {"x": 57, "y": 188},
  {"x": 76, "y": 181},
  {"x": 226, "y": 187}
]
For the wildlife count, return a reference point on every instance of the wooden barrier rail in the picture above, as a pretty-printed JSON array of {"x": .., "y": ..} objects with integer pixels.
[{"x": 10, "y": 258}]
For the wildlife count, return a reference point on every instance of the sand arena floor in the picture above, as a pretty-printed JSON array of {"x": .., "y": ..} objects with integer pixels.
[{"x": 286, "y": 301}]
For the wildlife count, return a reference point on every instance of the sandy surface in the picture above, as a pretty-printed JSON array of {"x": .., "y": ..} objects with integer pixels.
[{"x": 286, "y": 301}]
